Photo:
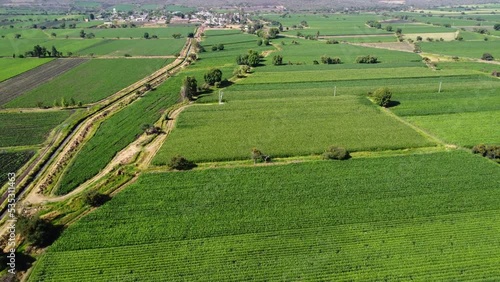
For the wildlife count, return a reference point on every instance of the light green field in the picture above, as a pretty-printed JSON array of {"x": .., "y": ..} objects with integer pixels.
[
  {"x": 126, "y": 33},
  {"x": 10, "y": 68},
  {"x": 18, "y": 129},
  {"x": 464, "y": 129},
  {"x": 470, "y": 49},
  {"x": 312, "y": 221},
  {"x": 20, "y": 46},
  {"x": 284, "y": 127},
  {"x": 140, "y": 47},
  {"x": 89, "y": 82},
  {"x": 347, "y": 53}
]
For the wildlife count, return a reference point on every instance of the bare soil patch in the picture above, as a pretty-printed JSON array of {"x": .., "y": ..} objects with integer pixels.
[{"x": 396, "y": 46}]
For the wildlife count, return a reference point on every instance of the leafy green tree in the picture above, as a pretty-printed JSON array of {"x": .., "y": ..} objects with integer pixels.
[
  {"x": 180, "y": 163},
  {"x": 487, "y": 57},
  {"x": 382, "y": 96},
  {"x": 189, "y": 88},
  {"x": 95, "y": 199},
  {"x": 17, "y": 36},
  {"x": 497, "y": 26},
  {"x": 176, "y": 35},
  {"x": 367, "y": 59},
  {"x": 273, "y": 32},
  {"x": 220, "y": 47},
  {"x": 82, "y": 33},
  {"x": 388, "y": 28},
  {"x": 277, "y": 60},
  {"x": 146, "y": 35},
  {"x": 37, "y": 231},
  {"x": 213, "y": 76},
  {"x": 259, "y": 42},
  {"x": 214, "y": 48}
]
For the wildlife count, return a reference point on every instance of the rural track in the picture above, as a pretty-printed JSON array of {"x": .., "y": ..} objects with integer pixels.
[
  {"x": 107, "y": 103},
  {"x": 17, "y": 85},
  {"x": 156, "y": 78}
]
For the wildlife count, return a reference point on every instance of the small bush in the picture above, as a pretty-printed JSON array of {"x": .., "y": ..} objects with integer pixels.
[
  {"x": 382, "y": 96},
  {"x": 258, "y": 156},
  {"x": 367, "y": 60},
  {"x": 336, "y": 153},
  {"x": 487, "y": 57},
  {"x": 488, "y": 151},
  {"x": 95, "y": 199},
  {"x": 180, "y": 163}
]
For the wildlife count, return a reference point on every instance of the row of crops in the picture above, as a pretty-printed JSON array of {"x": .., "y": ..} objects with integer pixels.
[
  {"x": 11, "y": 162},
  {"x": 319, "y": 220}
]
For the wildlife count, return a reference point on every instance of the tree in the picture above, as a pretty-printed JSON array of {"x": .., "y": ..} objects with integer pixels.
[
  {"x": 214, "y": 48},
  {"x": 180, "y": 163},
  {"x": 336, "y": 153},
  {"x": 190, "y": 35},
  {"x": 419, "y": 38},
  {"x": 17, "y": 36},
  {"x": 329, "y": 60},
  {"x": 95, "y": 199},
  {"x": 54, "y": 52},
  {"x": 487, "y": 57},
  {"x": 382, "y": 96},
  {"x": 259, "y": 42},
  {"x": 176, "y": 35},
  {"x": 388, "y": 28},
  {"x": 277, "y": 60},
  {"x": 53, "y": 34},
  {"x": 91, "y": 17},
  {"x": 497, "y": 26},
  {"x": 146, "y": 35},
  {"x": 273, "y": 32},
  {"x": 37, "y": 231},
  {"x": 82, "y": 33},
  {"x": 189, "y": 88},
  {"x": 213, "y": 76},
  {"x": 220, "y": 47},
  {"x": 367, "y": 60}
]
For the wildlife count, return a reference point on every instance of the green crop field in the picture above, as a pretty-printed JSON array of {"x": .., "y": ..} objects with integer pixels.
[
  {"x": 161, "y": 47},
  {"x": 11, "y": 162},
  {"x": 284, "y": 127},
  {"x": 471, "y": 49},
  {"x": 10, "y": 68},
  {"x": 347, "y": 53},
  {"x": 90, "y": 82},
  {"x": 20, "y": 46},
  {"x": 136, "y": 33},
  {"x": 17, "y": 129},
  {"x": 117, "y": 132},
  {"x": 311, "y": 221},
  {"x": 464, "y": 129}
]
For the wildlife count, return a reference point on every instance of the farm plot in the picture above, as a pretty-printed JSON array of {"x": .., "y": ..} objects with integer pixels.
[
  {"x": 20, "y": 46},
  {"x": 89, "y": 82},
  {"x": 470, "y": 49},
  {"x": 284, "y": 127},
  {"x": 464, "y": 129},
  {"x": 11, "y": 162},
  {"x": 309, "y": 221},
  {"x": 10, "y": 68},
  {"x": 18, "y": 129},
  {"x": 307, "y": 51},
  {"x": 117, "y": 132},
  {"x": 127, "y": 33},
  {"x": 33, "y": 78},
  {"x": 160, "y": 47}
]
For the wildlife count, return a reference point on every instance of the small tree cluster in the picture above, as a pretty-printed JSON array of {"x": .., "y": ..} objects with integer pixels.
[
  {"x": 330, "y": 61},
  {"x": 336, "y": 153},
  {"x": 189, "y": 88},
  {"x": 374, "y": 24},
  {"x": 487, "y": 57},
  {"x": 382, "y": 96},
  {"x": 241, "y": 71},
  {"x": 332, "y": 41},
  {"x": 95, "y": 199},
  {"x": 213, "y": 76},
  {"x": 37, "y": 231},
  {"x": 277, "y": 60},
  {"x": 251, "y": 59},
  {"x": 218, "y": 47},
  {"x": 367, "y": 59},
  {"x": 488, "y": 151},
  {"x": 180, "y": 163}
]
